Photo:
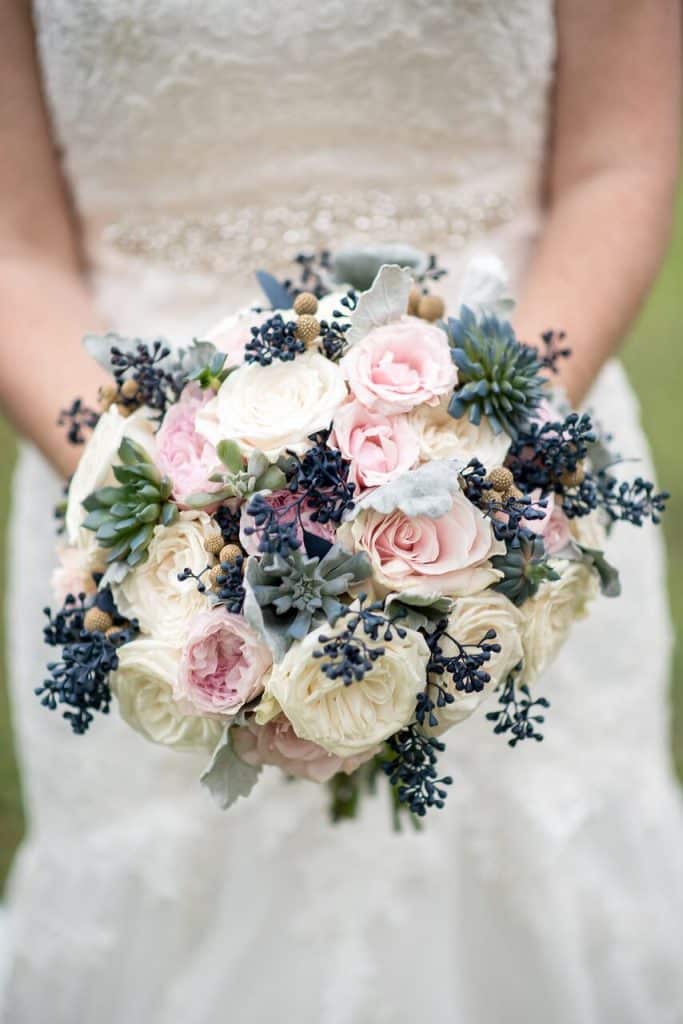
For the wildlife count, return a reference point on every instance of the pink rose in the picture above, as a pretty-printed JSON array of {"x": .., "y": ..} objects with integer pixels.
[
  {"x": 379, "y": 447},
  {"x": 277, "y": 743},
  {"x": 223, "y": 664},
  {"x": 400, "y": 365},
  {"x": 449, "y": 555},
  {"x": 281, "y": 499},
  {"x": 232, "y": 334},
  {"x": 553, "y": 528},
  {"x": 183, "y": 454},
  {"x": 72, "y": 574}
]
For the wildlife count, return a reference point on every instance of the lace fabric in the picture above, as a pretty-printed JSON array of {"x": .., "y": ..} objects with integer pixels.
[{"x": 549, "y": 888}]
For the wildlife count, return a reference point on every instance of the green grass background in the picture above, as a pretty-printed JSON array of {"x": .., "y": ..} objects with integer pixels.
[{"x": 654, "y": 359}]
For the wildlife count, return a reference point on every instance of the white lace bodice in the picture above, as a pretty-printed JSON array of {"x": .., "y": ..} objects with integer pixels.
[{"x": 218, "y": 136}]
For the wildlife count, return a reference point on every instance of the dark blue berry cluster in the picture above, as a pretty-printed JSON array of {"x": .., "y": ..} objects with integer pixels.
[
  {"x": 157, "y": 386},
  {"x": 274, "y": 339},
  {"x": 79, "y": 420},
  {"x": 412, "y": 770},
  {"x": 461, "y": 667},
  {"x": 518, "y": 714},
  {"x": 79, "y": 679},
  {"x": 351, "y": 653}
]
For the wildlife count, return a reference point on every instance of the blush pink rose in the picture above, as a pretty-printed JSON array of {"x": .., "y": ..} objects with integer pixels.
[
  {"x": 281, "y": 499},
  {"x": 277, "y": 743},
  {"x": 449, "y": 555},
  {"x": 400, "y": 365},
  {"x": 379, "y": 447},
  {"x": 72, "y": 574},
  {"x": 553, "y": 528},
  {"x": 183, "y": 454},
  {"x": 222, "y": 666}
]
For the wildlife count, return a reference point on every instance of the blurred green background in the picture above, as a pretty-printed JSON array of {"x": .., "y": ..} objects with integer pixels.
[{"x": 654, "y": 359}]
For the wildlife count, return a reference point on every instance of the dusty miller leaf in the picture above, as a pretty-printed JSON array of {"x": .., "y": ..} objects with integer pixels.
[
  {"x": 484, "y": 286},
  {"x": 227, "y": 777},
  {"x": 384, "y": 302},
  {"x": 425, "y": 491},
  {"x": 610, "y": 584}
]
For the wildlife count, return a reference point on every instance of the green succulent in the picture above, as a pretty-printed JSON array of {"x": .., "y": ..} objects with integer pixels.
[
  {"x": 212, "y": 373},
  {"x": 242, "y": 479},
  {"x": 298, "y": 589},
  {"x": 123, "y": 518},
  {"x": 524, "y": 566},
  {"x": 498, "y": 377}
]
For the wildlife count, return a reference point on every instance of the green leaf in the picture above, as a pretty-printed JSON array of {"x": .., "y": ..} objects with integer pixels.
[
  {"x": 96, "y": 518},
  {"x": 108, "y": 531},
  {"x": 150, "y": 514},
  {"x": 131, "y": 453},
  {"x": 227, "y": 777},
  {"x": 142, "y": 538},
  {"x": 118, "y": 551},
  {"x": 137, "y": 557},
  {"x": 169, "y": 513},
  {"x": 230, "y": 455},
  {"x": 272, "y": 480}
]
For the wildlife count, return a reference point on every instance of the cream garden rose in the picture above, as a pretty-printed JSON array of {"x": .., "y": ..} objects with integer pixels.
[
  {"x": 274, "y": 407},
  {"x": 348, "y": 720},
  {"x": 469, "y": 622},
  {"x": 163, "y": 605},
  {"x": 548, "y": 616},
  {"x": 143, "y": 685},
  {"x": 440, "y": 436}
]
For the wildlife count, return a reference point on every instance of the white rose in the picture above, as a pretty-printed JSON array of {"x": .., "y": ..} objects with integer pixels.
[
  {"x": 152, "y": 592},
  {"x": 274, "y": 407},
  {"x": 347, "y": 720},
  {"x": 468, "y": 623},
  {"x": 548, "y": 616},
  {"x": 441, "y": 436},
  {"x": 94, "y": 467},
  {"x": 589, "y": 531},
  {"x": 143, "y": 684}
]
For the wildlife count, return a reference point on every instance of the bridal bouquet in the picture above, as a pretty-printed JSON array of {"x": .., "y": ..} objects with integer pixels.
[{"x": 322, "y": 537}]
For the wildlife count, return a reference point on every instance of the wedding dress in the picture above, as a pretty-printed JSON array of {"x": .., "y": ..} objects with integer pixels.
[{"x": 201, "y": 141}]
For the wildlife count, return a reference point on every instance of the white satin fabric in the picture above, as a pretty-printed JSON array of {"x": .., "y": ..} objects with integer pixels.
[{"x": 201, "y": 141}]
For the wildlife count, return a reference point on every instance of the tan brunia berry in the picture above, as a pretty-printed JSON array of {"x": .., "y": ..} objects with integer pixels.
[
  {"x": 107, "y": 395},
  {"x": 431, "y": 307},
  {"x": 214, "y": 575},
  {"x": 214, "y": 543},
  {"x": 305, "y": 304},
  {"x": 573, "y": 477},
  {"x": 495, "y": 497},
  {"x": 130, "y": 388},
  {"x": 307, "y": 328},
  {"x": 230, "y": 553},
  {"x": 414, "y": 297},
  {"x": 501, "y": 479},
  {"x": 97, "y": 621}
]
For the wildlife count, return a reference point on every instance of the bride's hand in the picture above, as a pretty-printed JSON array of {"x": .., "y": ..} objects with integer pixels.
[
  {"x": 612, "y": 177},
  {"x": 45, "y": 307}
]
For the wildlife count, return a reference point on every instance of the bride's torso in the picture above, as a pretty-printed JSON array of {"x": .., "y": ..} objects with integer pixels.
[{"x": 203, "y": 140}]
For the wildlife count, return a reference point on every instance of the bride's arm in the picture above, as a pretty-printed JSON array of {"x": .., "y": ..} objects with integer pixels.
[
  {"x": 612, "y": 176},
  {"x": 44, "y": 303}
]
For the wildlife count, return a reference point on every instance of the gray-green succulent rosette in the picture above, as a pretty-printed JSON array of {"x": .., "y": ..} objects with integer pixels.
[{"x": 323, "y": 535}]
